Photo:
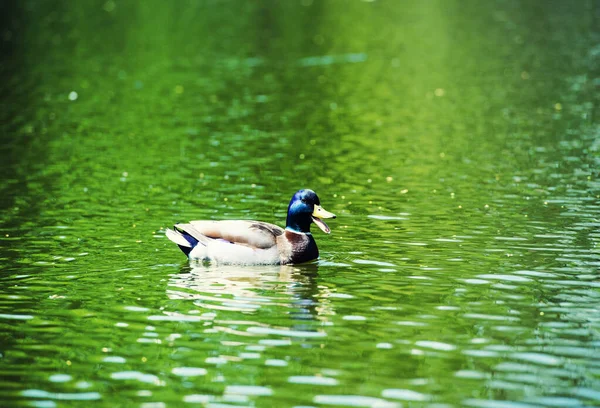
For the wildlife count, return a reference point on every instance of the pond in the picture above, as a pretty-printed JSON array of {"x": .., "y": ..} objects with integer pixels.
[{"x": 457, "y": 142}]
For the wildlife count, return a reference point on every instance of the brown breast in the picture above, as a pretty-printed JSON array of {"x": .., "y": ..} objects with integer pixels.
[{"x": 297, "y": 248}]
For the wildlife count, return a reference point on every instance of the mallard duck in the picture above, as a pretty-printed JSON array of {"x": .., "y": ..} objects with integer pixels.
[{"x": 256, "y": 242}]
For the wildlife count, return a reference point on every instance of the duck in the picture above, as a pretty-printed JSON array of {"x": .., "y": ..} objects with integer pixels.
[{"x": 243, "y": 242}]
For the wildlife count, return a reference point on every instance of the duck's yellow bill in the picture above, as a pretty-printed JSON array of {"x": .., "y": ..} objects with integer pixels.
[{"x": 317, "y": 215}]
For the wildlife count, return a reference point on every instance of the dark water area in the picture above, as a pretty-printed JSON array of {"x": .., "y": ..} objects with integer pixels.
[{"x": 457, "y": 141}]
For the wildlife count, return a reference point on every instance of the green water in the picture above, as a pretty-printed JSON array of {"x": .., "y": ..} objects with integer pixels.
[{"x": 457, "y": 141}]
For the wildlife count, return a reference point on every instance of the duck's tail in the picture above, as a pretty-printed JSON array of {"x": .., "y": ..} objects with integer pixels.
[{"x": 183, "y": 239}]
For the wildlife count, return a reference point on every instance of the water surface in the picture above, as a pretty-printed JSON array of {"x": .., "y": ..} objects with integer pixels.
[{"x": 457, "y": 142}]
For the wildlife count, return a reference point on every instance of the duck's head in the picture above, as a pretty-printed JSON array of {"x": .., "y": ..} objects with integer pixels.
[{"x": 305, "y": 208}]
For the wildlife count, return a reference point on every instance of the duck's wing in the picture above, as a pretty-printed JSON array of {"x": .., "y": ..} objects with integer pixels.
[{"x": 256, "y": 234}]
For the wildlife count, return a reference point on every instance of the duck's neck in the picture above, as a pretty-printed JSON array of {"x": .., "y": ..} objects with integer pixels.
[{"x": 298, "y": 224}]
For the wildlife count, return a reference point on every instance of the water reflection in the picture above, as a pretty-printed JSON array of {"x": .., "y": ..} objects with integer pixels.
[
  {"x": 195, "y": 280},
  {"x": 250, "y": 288}
]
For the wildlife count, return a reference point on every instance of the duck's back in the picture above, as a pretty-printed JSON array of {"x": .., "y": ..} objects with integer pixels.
[{"x": 252, "y": 233}]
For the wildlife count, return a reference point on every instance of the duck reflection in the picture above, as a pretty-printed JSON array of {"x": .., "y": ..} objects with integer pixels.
[{"x": 248, "y": 288}]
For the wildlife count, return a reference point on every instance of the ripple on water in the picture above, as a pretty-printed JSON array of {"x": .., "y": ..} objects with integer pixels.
[
  {"x": 114, "y": 359},
  {"x": 515, "y": 367},
  {"x": 354, "y": 318},
  {"x": 354, "y": 401},
  {"x": 312, "y": 380},
  {"x": 480, "y": 316},
  {"x": 446, "y": 307},
  {"x": 384, "y": 346},
  {"x": 586, "y": 393},
  {"x": 570, "y": 351},
  {"x": 137, "y": 376},
  {"x": 386, "y": 217},
  {"x": 537, "y": 358},
  {"x": 411, "y": 323},
  {"x": 176, "y": 317},
  {"x": 508, "y": 278},
  {"x": 275, "y": 342},
  {"x": 481, "y": 353},
  {"x": 15, "y": 317},
  {"x": 511, "y": 329},
  {"x": 499, "y": 384},
  {"x": 372, "y": 262},
  {"x": 285, "y": 332},
  {"x": 156, "y": 404},
  {"x": 248, "y": 390},
  {"x": 471, "y": 374},
  {"x": 43, "y": 404},
  {"x": 436, "y": 345},
  {"x": 189, "y": 371},
  {"x": 136, "y": 309},
  {"x": 216, "y": 360},
  {"x": 405, "y": 395},
  {"x": 478, "y": 403},
  {"x": 472, "y": 281},
  {"x": 558, "y": 402},
  {"x": 198, "y": 398},
  {"x": 583, "y": 283},
  {"x": 274, "y": 362},
  {"x": 337, "y": 295},
  {"x": 60, "y": 378},
  {"x": 63, "y": 396},
  {"x": 537, "y": 274}
]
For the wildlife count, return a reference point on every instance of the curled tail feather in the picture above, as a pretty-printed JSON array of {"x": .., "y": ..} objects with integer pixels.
[{"x": 185, "y": 241}]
